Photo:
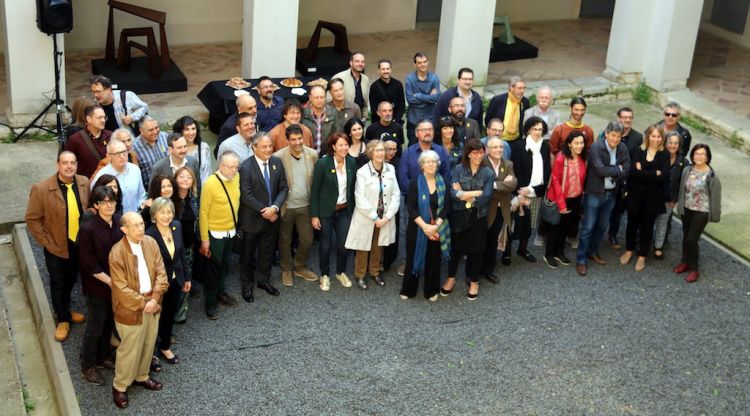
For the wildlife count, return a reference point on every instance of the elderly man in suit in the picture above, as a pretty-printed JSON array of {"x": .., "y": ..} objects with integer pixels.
[
  {"x": 299, "y": 161},
  {"x": 138, "y": 280},
  {"x": 263, "y": 191},
  {"x": 53, "y": 215}
]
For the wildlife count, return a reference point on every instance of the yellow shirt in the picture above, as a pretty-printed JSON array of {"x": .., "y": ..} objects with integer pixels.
[
  {"x": 512, "y": 118},
  {"x": 215, "y": 213}
]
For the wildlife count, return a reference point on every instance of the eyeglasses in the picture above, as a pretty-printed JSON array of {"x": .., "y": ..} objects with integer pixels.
[
  {"x": 107, "y": 202},
  {"x": 673, "y": 115},
  {"x": 119, "y": 154}
]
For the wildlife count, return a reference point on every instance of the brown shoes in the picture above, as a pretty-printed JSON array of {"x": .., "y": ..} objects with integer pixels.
[
  {"x": 597, "y": 259},
  {"x": 92, "y": 376},
  {"x": 306, "y": 274},
  {"x": 77, "y": 317},
  {"x": 286, "y": 278},
  {"x": 582, "y": 269},
  {"x": 120, "y": 398},
  {"x": 61, "y": 332},
  {"x": 149, "y": 384}
]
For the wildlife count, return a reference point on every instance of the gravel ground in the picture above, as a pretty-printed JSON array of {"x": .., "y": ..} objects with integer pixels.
[{"x": 540, "y": 342}]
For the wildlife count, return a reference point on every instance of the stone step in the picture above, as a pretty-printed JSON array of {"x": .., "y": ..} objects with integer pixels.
[{"x": 11, "y": 396}]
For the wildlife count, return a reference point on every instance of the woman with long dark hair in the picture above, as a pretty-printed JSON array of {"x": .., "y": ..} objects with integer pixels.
[
  {"x": 566, "y": 190},
  {"x": 110, "y": 181},
  {"x": 191, "y": 130},
  {"x": 160, "y": 185},
  {"x": 698, "y": 203},
  {"x": 355, "y": 129}
]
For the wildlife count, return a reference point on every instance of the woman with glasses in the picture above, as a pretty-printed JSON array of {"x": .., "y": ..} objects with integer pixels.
[{"x": 699, "y": 202}]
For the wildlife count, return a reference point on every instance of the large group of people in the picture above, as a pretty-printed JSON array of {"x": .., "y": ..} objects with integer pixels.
[{"x": 141, "y": 214}]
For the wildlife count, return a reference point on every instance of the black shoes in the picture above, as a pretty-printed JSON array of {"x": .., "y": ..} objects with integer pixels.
[
  {"x": 378, "y": 281},
  {"x": 551, "y": 262},
  {"x": 269, "y": 289},
  {"x": 562, "y": 259},
  {"x": 248, "y": 296},
  {"x": 227, "y": 299},
  {"x": 491, "y": 277},
  {"x": 212, "y": 312},
  {"x": 505, "y": 260},
  {"x": 526, "y": 255}
]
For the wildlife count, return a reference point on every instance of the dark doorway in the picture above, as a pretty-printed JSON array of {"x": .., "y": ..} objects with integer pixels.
[
  {"x": 597, "y": 8},
  {"x": 429, "y": 10},
  {"x": 730, "y": 14}
]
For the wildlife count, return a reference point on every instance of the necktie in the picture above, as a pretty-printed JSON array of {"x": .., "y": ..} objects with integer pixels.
[
  {"x": 267, "y": 177},
  {"x": 73, "y": 213}
]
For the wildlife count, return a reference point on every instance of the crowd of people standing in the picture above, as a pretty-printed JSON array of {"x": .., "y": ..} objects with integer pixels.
[{"x": 141, "y": 215}]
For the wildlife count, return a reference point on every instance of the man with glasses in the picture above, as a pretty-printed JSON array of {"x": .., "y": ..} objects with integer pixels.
[
  {"x": 671, "y": 122},
  {"x": 219, "y": 206},
  {"x": 90, "y": 144},
  {"x": 390, "y": 253},
  {"x": 510, "y": 108},
  {"x": 472, "y": 100},
  {"x": 119, "y": 114},
  {"x": 543, "y": 109},
  {"x": 463, "y": 128},
  {"x": 150, "y": 146},
  {"x": 495, "y": 128},
  {"x": 127, "y": 174},
  {"x": 269, "y": 105}
]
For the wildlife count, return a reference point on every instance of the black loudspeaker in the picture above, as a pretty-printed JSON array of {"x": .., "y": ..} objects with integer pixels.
[{"x": 54, "y": 16}]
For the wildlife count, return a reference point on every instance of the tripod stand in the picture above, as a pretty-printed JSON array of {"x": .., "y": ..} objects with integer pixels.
[{"x": 57, "y": 102}]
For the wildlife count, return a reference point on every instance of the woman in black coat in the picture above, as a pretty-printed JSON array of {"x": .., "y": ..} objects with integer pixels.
[
  {"x": 168, "y": 234},
  {"x": 531, "y": 164},
  {"x": 648, "y": 191}
]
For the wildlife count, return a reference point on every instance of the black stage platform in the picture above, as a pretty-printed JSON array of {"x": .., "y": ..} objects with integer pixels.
[
  {"x": 138, "y": 80},
  {"x": 519, "y": 50},
  {"x": 327, "y": 63}
]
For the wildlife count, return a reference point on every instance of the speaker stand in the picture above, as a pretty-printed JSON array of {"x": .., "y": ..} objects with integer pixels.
[{"x": 57, "y": 102}]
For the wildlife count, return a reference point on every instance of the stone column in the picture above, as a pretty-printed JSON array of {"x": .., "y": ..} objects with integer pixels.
[
  {"x": 654, "y": 41},
  {"x": 465, "y": 39},
  {"x": 269, "y": 38},
  {"x": 29, "y": 63}
]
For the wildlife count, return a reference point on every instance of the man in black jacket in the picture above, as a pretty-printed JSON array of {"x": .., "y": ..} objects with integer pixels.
[
  {"x": 263, "y": 191},
  {"x": 388, "y": 89},
  {"x": 608, "y": 165}
]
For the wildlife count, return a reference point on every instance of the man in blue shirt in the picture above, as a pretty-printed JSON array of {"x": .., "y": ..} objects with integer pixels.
[
  {"x": 422, "y": 92},
  {"x": 269, "y": 106},
  {"x": 408, "y": 167}
]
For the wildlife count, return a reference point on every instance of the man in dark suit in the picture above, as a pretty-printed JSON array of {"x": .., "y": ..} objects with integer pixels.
[
  {"x": 263, "y": 191},
  {"x": 509, "y": 107}
]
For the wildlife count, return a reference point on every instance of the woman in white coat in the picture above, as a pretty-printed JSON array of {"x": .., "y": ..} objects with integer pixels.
[{"x": 377, "y": 200}]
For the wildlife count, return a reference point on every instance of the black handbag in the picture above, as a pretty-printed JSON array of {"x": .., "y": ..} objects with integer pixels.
[
  {"x": 462, "y": 219},
  {"x": 548, "y": 210},
  {"x": 237, "y": 240}
]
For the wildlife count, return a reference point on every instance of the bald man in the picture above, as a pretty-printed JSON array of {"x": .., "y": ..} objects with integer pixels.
[{"x": 245, "y": 104}]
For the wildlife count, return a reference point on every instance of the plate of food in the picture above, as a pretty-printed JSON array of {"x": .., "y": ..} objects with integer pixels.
[
  {"x": 320, "y": 81},
  {"x": 291, "y": 83},
  {"x": 237, "y": 83}
]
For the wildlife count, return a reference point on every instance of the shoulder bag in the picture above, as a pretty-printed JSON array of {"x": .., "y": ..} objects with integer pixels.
[{"x": 549, "y": 211}]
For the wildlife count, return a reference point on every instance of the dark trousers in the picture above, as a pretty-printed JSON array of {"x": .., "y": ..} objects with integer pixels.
[
  {"x": 263, "y": 243},
  {"x": 337, "y": 224},
  {"x": 432, "y": 263},
  {"x": 490, "y": 252},
  {"x": 555, "y": 244},
  {"x": 168, "y": 309},
  {"x": 62, "y": 277},
  {"x": 693, "y": 224},
  {"x": 390, "y": 253},
  {"x": 99, "y": 324},
  {"x": 221, "y": 255},
  {"x": 640, "y": 232},
  {"x": 473, "y": 264},
  {"x": 521, "y": 231},
  {"x": 616, "y": 217}
]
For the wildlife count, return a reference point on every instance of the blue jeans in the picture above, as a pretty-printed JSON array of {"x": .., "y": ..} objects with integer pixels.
[
  {"x": 338, "y": 223},
  {"x": 596, "y": 213}
]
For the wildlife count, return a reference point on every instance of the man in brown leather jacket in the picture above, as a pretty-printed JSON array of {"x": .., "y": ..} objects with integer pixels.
[
  {"x": 53, "y": 215},
  {"x": 138, "y": 283}
]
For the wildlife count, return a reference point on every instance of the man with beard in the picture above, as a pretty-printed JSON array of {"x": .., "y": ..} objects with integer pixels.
[
  {"x": 356, "y": 83},
  {"x": 269, "y": 106},
  {"x": 543, "y": 109},
  {"x": 510, "y": 107},
  {"x": 119, "y": 114},
  {"x": 464, "y": 129},
  {"x": 386, "y": 128},
  {"x": 388, "y": 89},
  {"x": 575, "y": 123},
  {"x": 90, "y": 144}
]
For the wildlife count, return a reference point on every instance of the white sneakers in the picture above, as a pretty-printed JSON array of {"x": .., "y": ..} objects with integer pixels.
[
  {"x": 325, "y": 283},
  {"x": 344, "y": 280}
]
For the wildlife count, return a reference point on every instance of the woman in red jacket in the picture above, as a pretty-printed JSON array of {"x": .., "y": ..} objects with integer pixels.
[{"x": 566, "y": 189}]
